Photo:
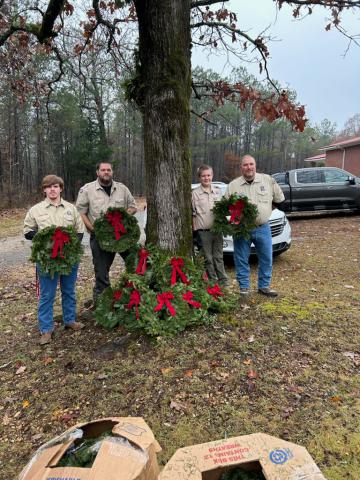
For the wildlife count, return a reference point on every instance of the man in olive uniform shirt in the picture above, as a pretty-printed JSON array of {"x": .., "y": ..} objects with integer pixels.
[
  {"x": 263, "y": 191},
  {"x": 97, "y": 197}
]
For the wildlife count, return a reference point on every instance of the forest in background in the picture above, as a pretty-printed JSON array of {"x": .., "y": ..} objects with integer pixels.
[{"x": 87, "y": 118}]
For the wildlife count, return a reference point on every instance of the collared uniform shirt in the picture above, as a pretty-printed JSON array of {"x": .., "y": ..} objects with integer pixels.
[
  {"x": 92, "y": 199},
  {"x": 202, "y": 205},
  {"x": 262, "y": 192},
  {"x": 44, "y": 214}
]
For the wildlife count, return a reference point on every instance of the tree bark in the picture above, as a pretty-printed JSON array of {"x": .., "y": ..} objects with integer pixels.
[{"x": 162, "y": 91}]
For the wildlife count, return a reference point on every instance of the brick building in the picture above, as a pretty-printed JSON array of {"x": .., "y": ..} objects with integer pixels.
[{"x": 344, "y": 154}]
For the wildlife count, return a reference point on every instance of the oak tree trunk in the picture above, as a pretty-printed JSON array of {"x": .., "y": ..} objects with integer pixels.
[{"x": 162, "y": 91}]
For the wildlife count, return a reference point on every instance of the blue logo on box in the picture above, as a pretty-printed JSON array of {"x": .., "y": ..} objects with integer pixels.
[{"x": 280, "y": 456}]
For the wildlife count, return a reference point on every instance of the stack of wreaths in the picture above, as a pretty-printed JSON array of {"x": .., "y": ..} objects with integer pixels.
[{"x": 160, "y": 294}]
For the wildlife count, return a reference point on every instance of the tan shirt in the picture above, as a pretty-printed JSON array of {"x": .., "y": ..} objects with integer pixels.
[
  {"x": 262, "y": 192},
  {"x": 45, "y": 214},
  {"x": 202, "y": 205},
  {"x": 92, "y": 199}
]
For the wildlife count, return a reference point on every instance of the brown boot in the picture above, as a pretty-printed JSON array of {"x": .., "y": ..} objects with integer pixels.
[
  {"x": 45, "y": 338},
  {"x": 75, "y": 326}
]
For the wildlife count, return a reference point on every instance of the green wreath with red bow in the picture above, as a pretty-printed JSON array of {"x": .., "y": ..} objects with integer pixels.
[
  {"x": 172, "y": 270},
  {"x": 161, "y": 294},
  {"x": 56, "y": 250},
  {"x": 234, "y": 216},
  {"x": 116, "y": 230},
  {"x": 156, "y": 313}
]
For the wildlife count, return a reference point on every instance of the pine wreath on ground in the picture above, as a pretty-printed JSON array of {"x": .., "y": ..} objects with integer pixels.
[
  {"x": 141, "y": 261},
  {"x": 56, "y": 250},
  {"x": 116, "y": 230},
  {"x": 234, "y": 216},
  {"x": 171, "y": 270},
  {"x": 162, "y": 295}
]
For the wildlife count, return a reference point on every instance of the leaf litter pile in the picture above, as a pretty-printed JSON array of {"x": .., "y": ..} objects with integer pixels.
[{"x": 287, "y": 367}]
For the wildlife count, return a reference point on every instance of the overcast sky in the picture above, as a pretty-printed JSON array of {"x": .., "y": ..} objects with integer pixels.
[{"x": 304, "y": 57}]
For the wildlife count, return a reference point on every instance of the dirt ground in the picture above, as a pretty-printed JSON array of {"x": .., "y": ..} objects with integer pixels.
[{"x": 287, "y": 367}]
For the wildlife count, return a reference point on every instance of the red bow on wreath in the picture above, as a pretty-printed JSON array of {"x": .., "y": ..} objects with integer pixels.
[
  {"x": 215, "y": 291},
  {"x": 117, "y": 295},
  {"x": 60, "y": 238},
  {"x": 141, "y": 267},
  {"x": 188, "y": 297},
  {"x": 236, "y": 211},
  {"x": 177, "y": 263},
  {"x": 164, "y": 300},
  {"x": 134, "y": 302},
  {"x": 114, "y": 218}
]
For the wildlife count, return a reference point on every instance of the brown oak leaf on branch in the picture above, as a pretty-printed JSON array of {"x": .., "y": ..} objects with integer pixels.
[{"x": 268, "y": 108}]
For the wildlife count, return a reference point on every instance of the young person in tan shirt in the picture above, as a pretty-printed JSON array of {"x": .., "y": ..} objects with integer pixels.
[
  {"x": 54, "y": 210},
  {"x": 203, "y": 199}
]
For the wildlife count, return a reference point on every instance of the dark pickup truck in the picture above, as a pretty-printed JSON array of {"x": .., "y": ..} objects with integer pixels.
[{"x": 319, "y": 188}]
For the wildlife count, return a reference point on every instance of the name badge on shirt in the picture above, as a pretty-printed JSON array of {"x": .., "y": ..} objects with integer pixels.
[{"x": 262, "y": 188}]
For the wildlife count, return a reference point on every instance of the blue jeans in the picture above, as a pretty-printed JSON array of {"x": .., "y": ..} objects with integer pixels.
[
  {"x": 47, "y": 297},
  {"x": 261, "y": 238}
]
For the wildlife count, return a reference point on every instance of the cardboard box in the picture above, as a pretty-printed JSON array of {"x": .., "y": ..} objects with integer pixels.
[
  {"x": 130, "y": 454},
  {"x": 275, "y": 458}
]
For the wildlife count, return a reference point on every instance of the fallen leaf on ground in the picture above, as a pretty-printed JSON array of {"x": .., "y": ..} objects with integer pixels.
[
  {"x": 20, "y": 370},
  {"x": 251, "y": 339},
  {"x": 179, "y": 407},
  {"x": 48, "y": 360},
  {"x": 25, "y": 404},
  {"x": 252, "y": 374},
  {"x": 6, "y": 419},
  {"x": 287, "y": 412},
  {"x": 5, "y": 365},
  {"x": 350, "y": 355},
  {"x": 247, "y": 361},
  {"x": 251, "y": 387},
  {"x": 336, "y": 399},
  {"x": 68, "y": 417},
  {"x": 165, "y": 371},
  {"x": 188, "y": 373}
]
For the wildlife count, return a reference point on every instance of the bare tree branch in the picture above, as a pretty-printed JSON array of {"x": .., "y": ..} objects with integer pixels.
[
  {"x": 42, "y": 32},
  {"x": 53, "y": 11},
  {"x": 258, "y": 43},
  {"x": 204, "y": 3},
  {"x": 203, "y": 117},
  {"x": 324, "y": 3}
]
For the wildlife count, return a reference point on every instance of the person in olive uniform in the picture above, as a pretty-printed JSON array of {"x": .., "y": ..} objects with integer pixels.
[
  {"x": 203, "y": 199},
  {"x": 263, "y": 191},
  {"x": 96, "y": 197},
  {"x": 53, "y": 210}
]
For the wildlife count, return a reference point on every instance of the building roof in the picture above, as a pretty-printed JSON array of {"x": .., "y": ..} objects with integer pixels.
[
  {"x": 349, "y": 142},
  {"x": 316, "y": 158}
]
